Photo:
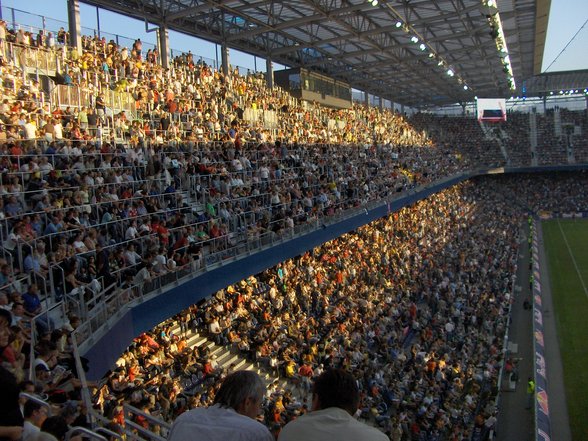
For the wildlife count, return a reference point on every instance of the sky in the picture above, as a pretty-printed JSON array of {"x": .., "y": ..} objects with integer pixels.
[{"x": 566, "y": 18}]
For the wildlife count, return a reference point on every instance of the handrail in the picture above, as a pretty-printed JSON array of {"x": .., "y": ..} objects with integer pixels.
[
  {"x": 84, "y": 431},
  {"x": 37, "y": 400},
  {"x": 131, "y": 410},
  {"x": 85, "y": 392},
  {"x": 108, "y": 432}
]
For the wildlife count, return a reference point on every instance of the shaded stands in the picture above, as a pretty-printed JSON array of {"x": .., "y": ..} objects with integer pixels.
[
  {"x": 515, "y": 135},
  {"x": 575, "y": 133},
  {"x": 552, "y": 148},
  {"x": 462, "y": 135}
]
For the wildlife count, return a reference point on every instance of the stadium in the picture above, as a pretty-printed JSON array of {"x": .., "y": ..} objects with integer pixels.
[{"x": 398, "y": 192}]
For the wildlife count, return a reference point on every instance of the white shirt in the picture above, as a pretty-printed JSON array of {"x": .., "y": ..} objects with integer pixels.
[
  {"x": 131, "y": 233},
  {"x": 217, "y": 423},
  {"x": 329, "y": 424},
  {"x": 29, "y": 431},
  {"x": 58, "y": 131}
]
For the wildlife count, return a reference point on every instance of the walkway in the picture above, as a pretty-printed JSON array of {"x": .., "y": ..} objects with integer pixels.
[{"x": 515, "y": 422}]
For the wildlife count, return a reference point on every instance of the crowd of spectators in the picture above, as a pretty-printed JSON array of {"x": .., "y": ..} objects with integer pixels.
[
  {"x": 44, "y": 409},
  {"x": 91, "y": 199},
  {"x": 551, "y": 148},
  {"x": 575, "y": 132},
  {"x": 515, "y": 136},
  {"x": 414, "y": 305}
]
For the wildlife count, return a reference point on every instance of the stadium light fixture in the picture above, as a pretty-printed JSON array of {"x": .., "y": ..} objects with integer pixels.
[
  {"x": 465, "y": 87},
  {"x": 497, "y": 32},
  {"x": 417, "y": 38}
]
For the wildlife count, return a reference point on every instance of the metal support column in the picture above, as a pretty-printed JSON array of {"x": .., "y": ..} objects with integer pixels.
[
  {"x": 163, "y": 46},
  {"x": 270, "y": 72},
  {"x": 225, "y": 58},
  {"x": 366, "y": 97},
  {"x": 75, "y": 24},
  {"x": 98, "y": 21}
]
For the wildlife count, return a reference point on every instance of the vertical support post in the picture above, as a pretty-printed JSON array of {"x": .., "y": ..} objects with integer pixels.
[
  {"x": 98, "y": 21},
  {"x": 75, "y": 26},
  {"x": 270, "y": 72},
  {"x": 366, "y": 97},
  {"x": 225, "y": 58},
  {"x": 163, "y": 46},
  {"x": 381, "y": 103}
]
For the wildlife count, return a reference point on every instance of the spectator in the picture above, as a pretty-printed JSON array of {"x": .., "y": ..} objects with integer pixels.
[
  {"x": 236, "y": 405},
  {"x": 335, "y": 400},
  {"x": 34, "y": 416}
]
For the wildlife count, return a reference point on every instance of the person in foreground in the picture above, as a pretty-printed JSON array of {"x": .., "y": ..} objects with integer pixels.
[
  {"x": 232, "y": 417},
  {"x": 335, "y": 399}
]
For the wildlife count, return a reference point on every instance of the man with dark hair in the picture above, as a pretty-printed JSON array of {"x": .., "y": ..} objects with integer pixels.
[
  {"x": 335, "y": 399},
  {"x": 232, "y": 417},
  {"x": 34, "y": 414},
  {"x": 56, "y": 426}
]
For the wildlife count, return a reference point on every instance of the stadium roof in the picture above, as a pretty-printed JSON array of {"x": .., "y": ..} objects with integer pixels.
[{"x": 400, "y": 50}]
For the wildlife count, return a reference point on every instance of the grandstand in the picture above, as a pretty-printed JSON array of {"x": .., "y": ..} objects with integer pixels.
[{"x": 166, "y": 220}]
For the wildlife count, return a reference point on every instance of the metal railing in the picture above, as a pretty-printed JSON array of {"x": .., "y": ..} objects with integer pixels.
[
  {"x": 130, "y": 413},
  {"x": 86, "y": 433}
]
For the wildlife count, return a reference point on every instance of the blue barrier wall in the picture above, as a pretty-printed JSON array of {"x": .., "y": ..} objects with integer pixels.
[{"x": 106, "y": 350}]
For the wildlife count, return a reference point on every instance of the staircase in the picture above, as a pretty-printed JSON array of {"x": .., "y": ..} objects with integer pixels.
[
  {"x": 557, "y": 123},
  {"x": 490, "y": 135},
  {"x": 533, "y": 138},
  {"x": 229, "y": 359}
]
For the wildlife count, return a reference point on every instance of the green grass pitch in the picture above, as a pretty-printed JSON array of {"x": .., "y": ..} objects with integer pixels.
[{"x": 566, "y": 243}]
